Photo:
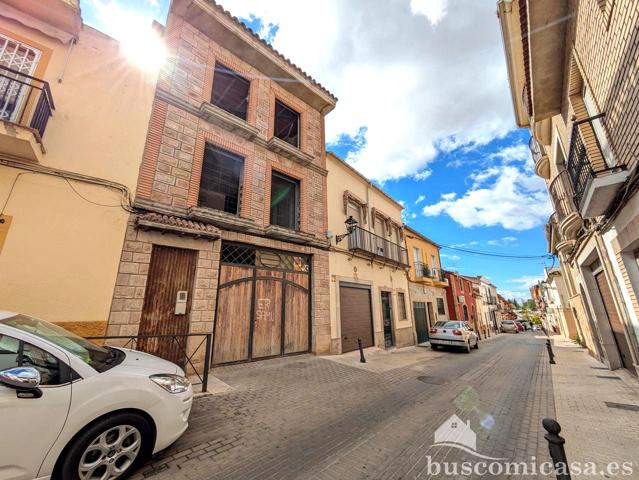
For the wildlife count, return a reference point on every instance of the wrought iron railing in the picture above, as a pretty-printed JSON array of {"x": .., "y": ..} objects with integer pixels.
[
  {"x": 536, "y": 149},
  {"x": 363, "y": 240},
  {"x": 580, "y": 166},
  {"x": 25, "y": 100},
  {"x": 174, "y": 348},
  {"x": 421, "y": 270},
  {"x": 562, "y": 195}
]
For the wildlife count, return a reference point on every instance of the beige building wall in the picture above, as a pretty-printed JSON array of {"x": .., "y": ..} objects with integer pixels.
[
  {"x": 63, "y": 238},
  {"x": 345, "y": 266}
]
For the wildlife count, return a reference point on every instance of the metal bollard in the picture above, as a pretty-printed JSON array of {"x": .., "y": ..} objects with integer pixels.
[
  {"x": 556, "y": 448},
  {"x": 361, "y": 351},
  {"x": 551, "y": 354}
]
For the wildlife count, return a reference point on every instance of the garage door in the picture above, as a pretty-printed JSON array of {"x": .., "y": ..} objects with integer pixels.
[
  {"x": 356, "y": 317},
  {"x": 263, "y": 307}
]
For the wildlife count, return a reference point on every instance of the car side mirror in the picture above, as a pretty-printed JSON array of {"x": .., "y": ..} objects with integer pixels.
[{"x": 21, "y": 378}]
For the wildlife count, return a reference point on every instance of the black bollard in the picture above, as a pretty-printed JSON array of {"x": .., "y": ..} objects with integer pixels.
[
  {"x": 361, "y": 351},
  {"x": 556, "y": 448},
  {"x": 551, "y": 354}
]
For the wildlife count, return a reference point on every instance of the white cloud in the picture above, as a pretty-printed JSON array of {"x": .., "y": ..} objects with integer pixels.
[
  {"x": 506, "y": 195},
  {"x": 527, "y": 281},
  {"x": 449, "y": 196},
  {"x": 423, "y": 175},
  {"x": 512, "y": 153},
  {"x": 450, "y": 257},
  {"x": 398, "y": 74},
  {"x": 519, "y": 295},
  {"x": 502, "y": 241},
  {"x": 420, "y": 199},
  {"x": 434, "y": 10}
]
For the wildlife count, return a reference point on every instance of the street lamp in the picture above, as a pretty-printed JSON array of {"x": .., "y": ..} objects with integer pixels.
[{"x": 351, "y": 223}]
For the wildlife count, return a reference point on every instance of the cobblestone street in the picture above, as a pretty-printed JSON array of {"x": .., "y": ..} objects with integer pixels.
[{"x": 309, "y": 417}]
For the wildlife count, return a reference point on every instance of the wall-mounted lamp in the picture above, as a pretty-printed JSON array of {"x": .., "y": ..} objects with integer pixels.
[{"x": 350, "y": 223}]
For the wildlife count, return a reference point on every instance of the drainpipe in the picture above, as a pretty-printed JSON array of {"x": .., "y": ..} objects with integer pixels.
[{"x": 66, "y": 59}]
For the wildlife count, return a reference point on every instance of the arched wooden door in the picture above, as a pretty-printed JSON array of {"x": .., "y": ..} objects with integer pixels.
[{"x": 263, "y": 305}]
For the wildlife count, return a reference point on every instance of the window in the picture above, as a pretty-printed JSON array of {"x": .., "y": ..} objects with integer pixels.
[
  {"x": 23, "y": 58},
  {"x": 16, "y": 353},
  {"x": 401, "y": 301},
  {"x": 287, "y": 124},
  {"x": 461, "y": 285},
  {"x": 598, "y": 127},
  {"x": 440, "y": 306},
  {"x": 433, "y": 261},
  {"x": 230, "y": 91},
  {"x": 355, "y": 211},
  {"x": 285, "y": 201},
  {"x": 221, "y": 180}
]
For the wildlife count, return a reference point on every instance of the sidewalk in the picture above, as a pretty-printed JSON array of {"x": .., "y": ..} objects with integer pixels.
[{"x": 598, "y": 409}]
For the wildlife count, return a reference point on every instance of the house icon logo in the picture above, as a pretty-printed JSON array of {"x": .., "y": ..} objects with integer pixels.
[
  {"x": 456, "y": 433},
  {"x": 454, "y": 430}
]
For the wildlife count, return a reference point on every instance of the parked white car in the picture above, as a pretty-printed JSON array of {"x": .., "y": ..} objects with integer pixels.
[
  {"x": 453, "y": 333},
  {"x": 70, "y": 409}
]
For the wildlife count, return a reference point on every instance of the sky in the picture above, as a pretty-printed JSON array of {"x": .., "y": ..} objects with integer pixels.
[{"x": 424, "y": 110}]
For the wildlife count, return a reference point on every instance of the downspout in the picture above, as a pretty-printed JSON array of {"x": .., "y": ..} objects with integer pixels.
[{"x": 66, "y": 59}]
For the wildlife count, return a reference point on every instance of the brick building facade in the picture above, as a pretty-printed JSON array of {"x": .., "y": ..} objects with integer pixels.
[
  {"x": 572, "y": 86},
  {"x": 232, "y": 197},
  {"x": 460, "y": 297}
]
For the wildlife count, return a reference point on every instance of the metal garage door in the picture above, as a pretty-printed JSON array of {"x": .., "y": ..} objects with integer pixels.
[
  {"x": 263, "y": 306},
  {"x": 356, "y": 317}
]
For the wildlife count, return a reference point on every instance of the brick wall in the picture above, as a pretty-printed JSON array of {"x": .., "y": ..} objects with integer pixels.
[
  {"x": 171, "y": 168},
  {"x": 606, "y": 50}
]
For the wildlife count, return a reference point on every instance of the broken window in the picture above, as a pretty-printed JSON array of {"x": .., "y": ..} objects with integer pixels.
[
  {"x": 221, "y": 180},
  {"x": 230, "y": 91},
  {"x": 285, "y": 201},
  {"x": 287, "y": 124}
]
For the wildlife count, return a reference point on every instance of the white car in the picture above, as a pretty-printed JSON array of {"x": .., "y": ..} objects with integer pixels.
[
  {"x": 453, "y": 333},
  {"x": 72, "y": 410}
]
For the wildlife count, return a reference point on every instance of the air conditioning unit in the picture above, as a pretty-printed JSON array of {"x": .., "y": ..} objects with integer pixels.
[{"x": 461, "y": 299}]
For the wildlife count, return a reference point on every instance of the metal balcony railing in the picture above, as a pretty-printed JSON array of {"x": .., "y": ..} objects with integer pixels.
[
  {"x": 365, "y": 241},
  {"x": 421, "y": 270},
  {"x": 562, "y": 195},
  {"x": 536, "y": 149},
  {"x": 25, "y": 100},
  {"x": 580, "y": 165}
]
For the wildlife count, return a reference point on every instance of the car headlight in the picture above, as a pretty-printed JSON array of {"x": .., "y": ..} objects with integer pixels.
[{"x": 171, "y": 383}]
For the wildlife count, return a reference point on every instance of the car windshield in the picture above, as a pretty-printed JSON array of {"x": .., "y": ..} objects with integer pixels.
[
  {"x": 100, "y": 358},
  {"x": 444, "y": 324}
]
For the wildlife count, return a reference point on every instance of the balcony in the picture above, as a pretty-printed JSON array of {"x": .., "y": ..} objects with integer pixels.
[
  {"x": 594, "y": 183},
  {"x": 542, "y": 162},
  {"x": 424, "y": 272},
  {"x": 553, "y": 237},
  {"x": 567, "y": 217},
  {"x": 25, "y": 107},
  {"x": 375, "y": 246}
]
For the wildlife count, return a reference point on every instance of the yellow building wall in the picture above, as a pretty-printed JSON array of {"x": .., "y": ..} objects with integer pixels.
[
  {"x": 427, "y": 251},
  {"x": 345, "y": 267},
  {"x": 61, "y": 252}
]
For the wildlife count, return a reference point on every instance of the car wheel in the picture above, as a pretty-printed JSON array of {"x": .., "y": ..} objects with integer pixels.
[
  {"x": 108, "y": 449},
  {"x": 434, "y": 347}
]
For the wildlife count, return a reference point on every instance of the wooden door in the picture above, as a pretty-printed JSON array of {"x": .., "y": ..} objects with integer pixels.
[
  {"x": 356, "y": 317},
  {"x": 614, "y": 320},
  {"x": 296, "y": 328},
  {"x": 171, "y": 270},
  {"x": 421, "y": 324},
  {"x": 232, "y": 322},
  {"x": 263, "y": 304},
  {"x": 267, "y": 323}
]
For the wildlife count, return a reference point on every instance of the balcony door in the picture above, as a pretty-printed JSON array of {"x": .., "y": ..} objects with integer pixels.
[
  {"x": 21, "y": 58},
  {"x": 597, "y": 125},
  {"x": 380, "y": 241}
]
